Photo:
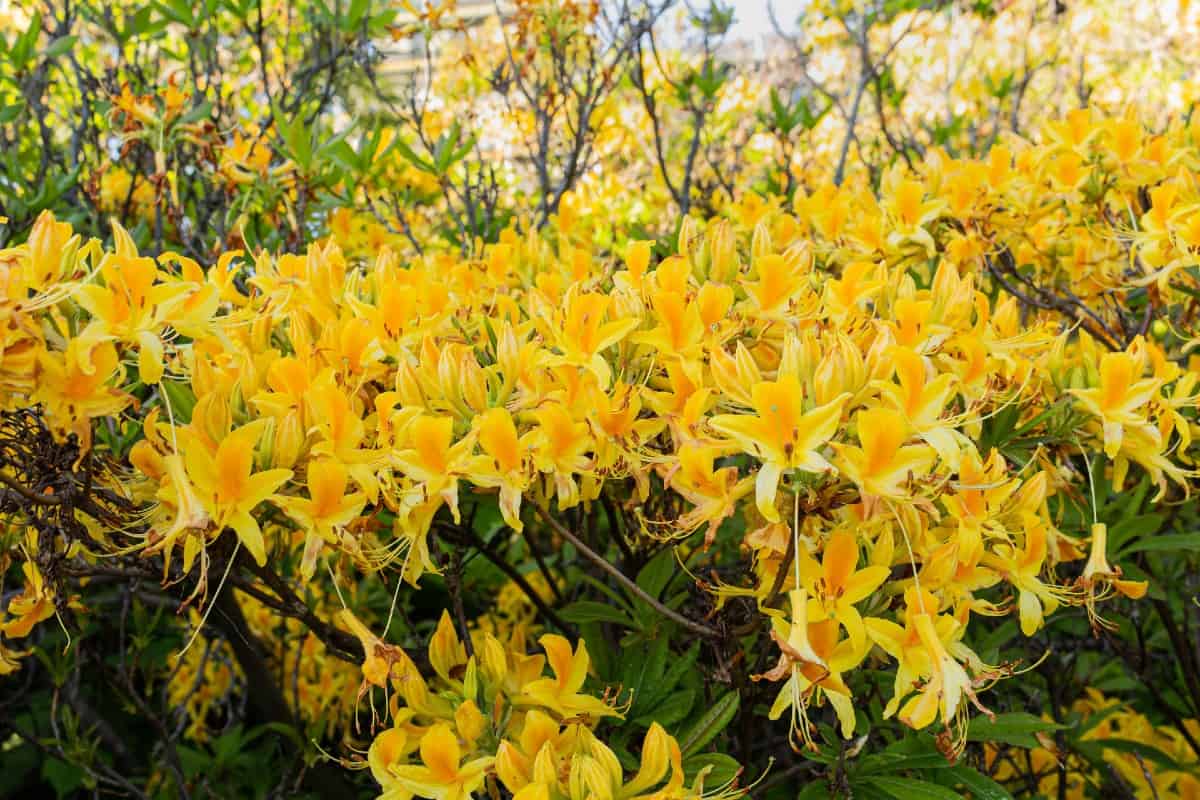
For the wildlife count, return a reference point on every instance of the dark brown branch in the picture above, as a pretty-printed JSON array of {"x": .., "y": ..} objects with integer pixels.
[
  {"x": 453, "y": 532},
  {"x": 339, "y": 642}
]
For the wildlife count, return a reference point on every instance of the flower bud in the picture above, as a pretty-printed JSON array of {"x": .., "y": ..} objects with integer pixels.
[{"x": 722, "y": 255}]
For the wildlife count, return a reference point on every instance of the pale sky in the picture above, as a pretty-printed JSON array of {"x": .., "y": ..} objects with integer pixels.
[{"x": 751, "y": 21}]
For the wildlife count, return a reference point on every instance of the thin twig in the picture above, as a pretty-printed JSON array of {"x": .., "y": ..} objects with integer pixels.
[{"x": 601, "y": 562}]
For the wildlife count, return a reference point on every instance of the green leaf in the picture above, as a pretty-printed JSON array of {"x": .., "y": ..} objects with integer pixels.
[
  {"x": 891, "y": 762},
  {"x": 642, "y": 673},
  {"x": 448, "y": 150},
  {"x": 910, "y": 788},
  {"x": 816, "y": 790},
  {"x": 297, "y": 139},
  {"x": 20, "y": 761},
  {"x": 202, "y": 111},
  {"x": 979, "y": 785},
  {"x": 1138, "y": 526},
  {"x": 379, "y": 22},
  {"x": 23, "y": 47},
  {"x": 1033, "y": 423},
  {"x": 181, "y": 398},
  {"x": 178, "y": 11},
  {"x": 606, "y": 591},
  {"x": 708, "y": 726},
  {"x": 1087, "y": 723},
  {"x": 604, "y": 658},
  {"x": 60, "y": 46},
  {"x": 64, "y": 777},
  {"x": 1162, "y": 544},
  {"x": 670, "y": 711},
  {"x": 194, "y": 761},
  {"x": 488, "y": 521},
  {"x": 1000, "y": 428},
  {"x": 411, "y": 156},
  {"x": 583, "y": 611},
  {"x": 281, "y": 728},
  {"x": 681, "y": 666},
  {"x": 10, "y": 112},
  {"x": 1016, "y": 728},
  {"x": 719, "y": 769},
  {"x": 657, "y": 573},
  {"x": 358, "y": 9},
  {"x": 139, "y": 24},
  {"x": 228, "y": 744},
  {"x": 1003, "y": 633}
]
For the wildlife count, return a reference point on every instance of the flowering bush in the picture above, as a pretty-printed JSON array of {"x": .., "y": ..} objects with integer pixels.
[{"x": 853, "y": 457}]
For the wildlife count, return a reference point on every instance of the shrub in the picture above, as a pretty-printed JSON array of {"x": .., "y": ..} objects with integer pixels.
[{"x": 853, "y": 457}]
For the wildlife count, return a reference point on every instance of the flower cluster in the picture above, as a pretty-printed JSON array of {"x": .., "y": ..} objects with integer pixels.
[
  {"x": 891, "y": 398},
  {"x": 496, "y": 713}
]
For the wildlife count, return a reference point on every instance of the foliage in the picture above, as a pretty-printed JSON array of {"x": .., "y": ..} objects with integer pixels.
[{"x": 366, "y": 435}]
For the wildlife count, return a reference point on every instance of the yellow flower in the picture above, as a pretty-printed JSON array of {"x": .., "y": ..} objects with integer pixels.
[
  {"x": 637, "y": 259},
  {"x": 341, "y": 433},
  {"x": 1119, "y": 398},
  {"x": 74, "y": 387},
  {"x": 515, "y": 756},
  {"x": 582, "y": 333},
  {"x": 560, "y": 447},
  {"x": 386, "y": 752},
  {"x": 34, "y": 604},
  {"x": 51, "y": 247},
  {"x": 680, "y": 330},
  {"x": 430, "y": 457},
  {"x": 327, "y": 510},
  {"x": 910, "y": 213},
  {"x": 811, "y": 659},
  {"x": 442, "y": 775},
  {"x": 227, "y": 485},
  {"x": 922, "y": 649},
  {"x": 781, "y": 280},
  {"x": 503, "y": 462},
  {"x": 131, "y": 306},
  {"x": 921, "y": 401},
  {"x": 838, "y": 585},
  {"x": 561, "y": 693},
  {"x": 1099, "y": 578},
  {"x": 856, "y": 286},
  {"x": 1022, "y": 568},
  {"x": 714, "y": 492},
  {"x": 883, "y": 465},
  {"x": 781, "y": 434}
]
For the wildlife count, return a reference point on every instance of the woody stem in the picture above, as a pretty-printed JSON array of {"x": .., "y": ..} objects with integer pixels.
[{"x": 603, "y": 563}]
